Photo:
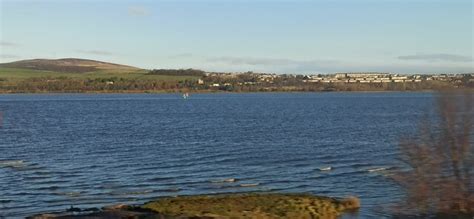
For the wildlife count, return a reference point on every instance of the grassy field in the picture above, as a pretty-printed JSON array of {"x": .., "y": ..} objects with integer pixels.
[
  {"x": 17, "y": 74},
  {"x": 264, "y": 206}
]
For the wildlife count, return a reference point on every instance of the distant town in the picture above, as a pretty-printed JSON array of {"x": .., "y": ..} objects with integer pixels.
[
  {"x": 351, "y": 77},
  {"x": 350, "y": 81}
]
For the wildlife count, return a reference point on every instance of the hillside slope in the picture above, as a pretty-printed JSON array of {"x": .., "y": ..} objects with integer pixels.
[{"x": 68, "y": 65}]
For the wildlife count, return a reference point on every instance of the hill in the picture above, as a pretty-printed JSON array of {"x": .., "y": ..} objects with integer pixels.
[
  {"x": 83, "y": 75},
  {"x": 68, "y": 65}
]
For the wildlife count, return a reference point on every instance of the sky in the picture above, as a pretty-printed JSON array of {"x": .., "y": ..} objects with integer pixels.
[{"x": 280, "y": 36}]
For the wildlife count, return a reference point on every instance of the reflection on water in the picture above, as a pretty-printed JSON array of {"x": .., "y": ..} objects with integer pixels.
[{"x": 94, "y": 150}]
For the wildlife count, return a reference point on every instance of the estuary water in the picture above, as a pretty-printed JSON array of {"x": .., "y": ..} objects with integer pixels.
[{"x": 91, "y": 150}]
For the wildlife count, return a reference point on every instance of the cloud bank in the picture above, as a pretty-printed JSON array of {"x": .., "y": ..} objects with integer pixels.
[
  {"x": 276, "y": 64},
  {"x": 268, "y": 61},
  {"x": 8, "y": 56},
  {"x": 9, "y": 44},
  {"x": 181, "y": 56},
  {"x": 283, "y": 65},
  {"x": 96, "y": 52},
  {"x": 437, "y": 57}
]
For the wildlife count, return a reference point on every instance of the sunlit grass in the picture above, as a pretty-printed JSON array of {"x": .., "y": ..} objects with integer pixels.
[{"x": 16, "y": 74}]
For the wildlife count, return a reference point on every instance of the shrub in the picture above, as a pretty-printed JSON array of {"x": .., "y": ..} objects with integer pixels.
[{"x": 439, "y": 179}]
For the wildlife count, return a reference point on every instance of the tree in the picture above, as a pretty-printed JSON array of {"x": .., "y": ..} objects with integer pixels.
[{"x": 439, "y": 179}]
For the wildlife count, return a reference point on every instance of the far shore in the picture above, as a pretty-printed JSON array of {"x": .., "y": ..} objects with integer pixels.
[{"x": 217, "y": 92}]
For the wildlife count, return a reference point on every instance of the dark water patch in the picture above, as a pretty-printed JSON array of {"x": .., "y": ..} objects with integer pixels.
[
  {"x": 161, "y": 179},
  {"x": 298, "y": 165},
  {"x": 130, "y": 192},
  {"x": 41, "y": 172},
  {"x": 70, "y": 193},
  {"x": 5, "y": 201},
  {"x": 36, "y": 178},
  {"x": 48, "y": 188},
  {"x": 167, "y": 190},
  {"x": 50, "y": 181},
  {"x": 66, "y": 202},
  {"x": 111, "y": 186},
  {"x": 14, "y": 194},
  {"x": 71, "y": 175},
  {"x": 82, "y": 167}
]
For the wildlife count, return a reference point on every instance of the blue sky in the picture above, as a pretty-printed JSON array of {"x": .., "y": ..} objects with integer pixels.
[{"x": 404, "y": 36}]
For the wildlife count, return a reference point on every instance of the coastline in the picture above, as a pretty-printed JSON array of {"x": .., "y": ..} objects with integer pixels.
[{"x": 220, "y": 92}]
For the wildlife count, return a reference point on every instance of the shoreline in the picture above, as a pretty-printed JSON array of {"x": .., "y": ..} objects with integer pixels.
[{"x": 217, "y": 92}]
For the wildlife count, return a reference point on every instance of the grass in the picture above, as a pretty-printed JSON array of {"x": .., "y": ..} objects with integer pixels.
[
  {"x": 253, "y": 205},
  {"x": 17, "y": 74}
]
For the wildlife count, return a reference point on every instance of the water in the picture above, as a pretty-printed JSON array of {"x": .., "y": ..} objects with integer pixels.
[{"x": 58, "y": 150}]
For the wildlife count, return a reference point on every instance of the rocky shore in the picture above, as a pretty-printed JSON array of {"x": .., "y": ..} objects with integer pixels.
[{"x": 246, "y": 205}]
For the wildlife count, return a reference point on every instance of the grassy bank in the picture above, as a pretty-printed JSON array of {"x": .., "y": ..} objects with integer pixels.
[
  {"x": 243, "y": 205},
  {"x": 253, "y": 206}
]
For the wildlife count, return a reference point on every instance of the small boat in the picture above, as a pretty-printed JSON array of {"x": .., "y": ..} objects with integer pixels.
[
  {"x": 186, "y": 95},
  {"x": 325, "y": 168}
]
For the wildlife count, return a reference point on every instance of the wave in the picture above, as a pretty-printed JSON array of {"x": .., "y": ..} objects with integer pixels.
[
  {"x": 378, "y": 169},
  {"x": 229, "y": 180},
  {"x": 325, "y": 168},
  {"x": 12, "y": 163},
  {"x": 69, "y": 194},
  {"x": 249, "y": 184}
]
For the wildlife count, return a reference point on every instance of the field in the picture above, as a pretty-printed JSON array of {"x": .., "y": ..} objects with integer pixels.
[{"x": 17, "y": 74}]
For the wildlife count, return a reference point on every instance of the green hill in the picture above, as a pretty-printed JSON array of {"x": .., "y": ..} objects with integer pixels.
[
  {"x": 82, "y": 75},
  {"x": 69, "y": 65}
]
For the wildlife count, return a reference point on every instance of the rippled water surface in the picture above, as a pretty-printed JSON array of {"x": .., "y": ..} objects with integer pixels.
[{"x": 59, "y": 150}]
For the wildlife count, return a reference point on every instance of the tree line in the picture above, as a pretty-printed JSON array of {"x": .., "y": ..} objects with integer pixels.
[{"x": 177, "y": 72}]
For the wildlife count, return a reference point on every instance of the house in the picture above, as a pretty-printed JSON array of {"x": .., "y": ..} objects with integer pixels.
[
  {"x": 341, "y": 75},
  {"x": 399, "y": 78}
]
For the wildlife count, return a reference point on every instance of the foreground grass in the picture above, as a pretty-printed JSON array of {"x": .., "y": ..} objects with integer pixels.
[
  {"x": 253, "y": 206},
  {"x": 242, "y": 205}
]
